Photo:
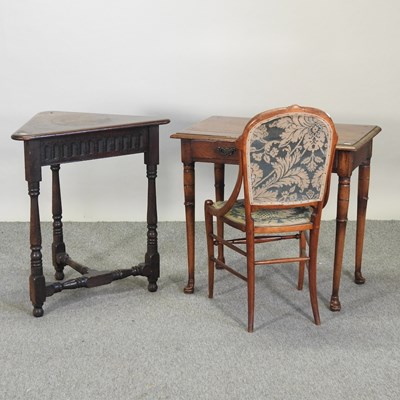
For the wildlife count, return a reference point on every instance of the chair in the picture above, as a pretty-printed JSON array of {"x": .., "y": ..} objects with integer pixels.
[{"x": 286, "y": 158}]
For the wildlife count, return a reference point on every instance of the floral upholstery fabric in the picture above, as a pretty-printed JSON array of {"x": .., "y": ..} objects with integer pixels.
[
  {"x": 268, "y": 217},
  {"x": 288, "y": 157}
]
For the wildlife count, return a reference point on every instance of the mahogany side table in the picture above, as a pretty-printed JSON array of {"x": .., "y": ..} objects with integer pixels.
[
  {"x": 52, "y": 138},
  {"x": 213, "y": 141}
]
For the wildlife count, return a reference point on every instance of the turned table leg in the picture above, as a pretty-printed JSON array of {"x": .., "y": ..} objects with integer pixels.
[
  {"x": 152, "y": 257},
  {"x": 33, "y": 176},
  {"x": 58, "y": 246},
  {"x": 37, "y": 282}
]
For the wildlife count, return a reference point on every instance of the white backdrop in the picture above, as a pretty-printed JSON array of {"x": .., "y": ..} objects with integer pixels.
[{"x": 187, "y": 60}]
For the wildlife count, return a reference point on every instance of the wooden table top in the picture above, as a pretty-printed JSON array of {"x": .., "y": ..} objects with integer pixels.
[
  {"x": 350, "y": 137},
  {"x": 50, "y": 123}
]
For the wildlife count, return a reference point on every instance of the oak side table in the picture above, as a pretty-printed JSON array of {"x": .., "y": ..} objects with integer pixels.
[{"x": 52, "y": 138}]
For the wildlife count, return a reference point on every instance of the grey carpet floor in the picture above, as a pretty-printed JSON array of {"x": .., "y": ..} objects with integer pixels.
[{"x": 122, "y": 342}]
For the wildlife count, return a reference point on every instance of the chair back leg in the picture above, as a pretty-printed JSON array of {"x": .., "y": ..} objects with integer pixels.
[
  {"x": 210, "y": 252},
  {"x": 302, "y": 264}
]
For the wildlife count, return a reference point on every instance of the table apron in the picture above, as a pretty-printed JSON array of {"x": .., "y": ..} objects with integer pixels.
[
  {"x": 89, "y": 146},
  {"x": 347, "y": 161}
]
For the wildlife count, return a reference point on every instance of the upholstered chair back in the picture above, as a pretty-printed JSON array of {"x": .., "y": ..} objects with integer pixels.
[{"x": 288, "y": 157}]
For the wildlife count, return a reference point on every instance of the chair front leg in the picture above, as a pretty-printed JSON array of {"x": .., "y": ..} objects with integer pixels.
[
  {"x": 312, "y": 274},
  {"x": 250, "y": 282}
]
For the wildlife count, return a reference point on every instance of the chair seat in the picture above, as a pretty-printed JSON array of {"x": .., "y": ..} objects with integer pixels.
[{"x": 271, "y": 217}]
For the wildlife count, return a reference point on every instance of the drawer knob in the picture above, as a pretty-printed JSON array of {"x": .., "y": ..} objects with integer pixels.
[{"x": 226, "y": 151}]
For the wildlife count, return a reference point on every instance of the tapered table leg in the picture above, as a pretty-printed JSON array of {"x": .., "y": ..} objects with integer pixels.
[
  {"x": 341, "y": 223},
  {"x": 189, "y": 187},
  {"x": 219, "y": 179},
  {"x": 363, "y": 187}
]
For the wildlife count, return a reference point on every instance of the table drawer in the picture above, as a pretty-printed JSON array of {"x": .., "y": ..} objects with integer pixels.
[{"x": 214, "y": 151}]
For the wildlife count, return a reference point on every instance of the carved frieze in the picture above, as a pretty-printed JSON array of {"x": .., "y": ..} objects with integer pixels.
[{"x": 86, "y": 146}]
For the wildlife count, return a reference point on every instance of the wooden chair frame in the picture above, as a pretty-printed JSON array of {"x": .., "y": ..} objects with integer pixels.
[{"x": 262, "y": 234}]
